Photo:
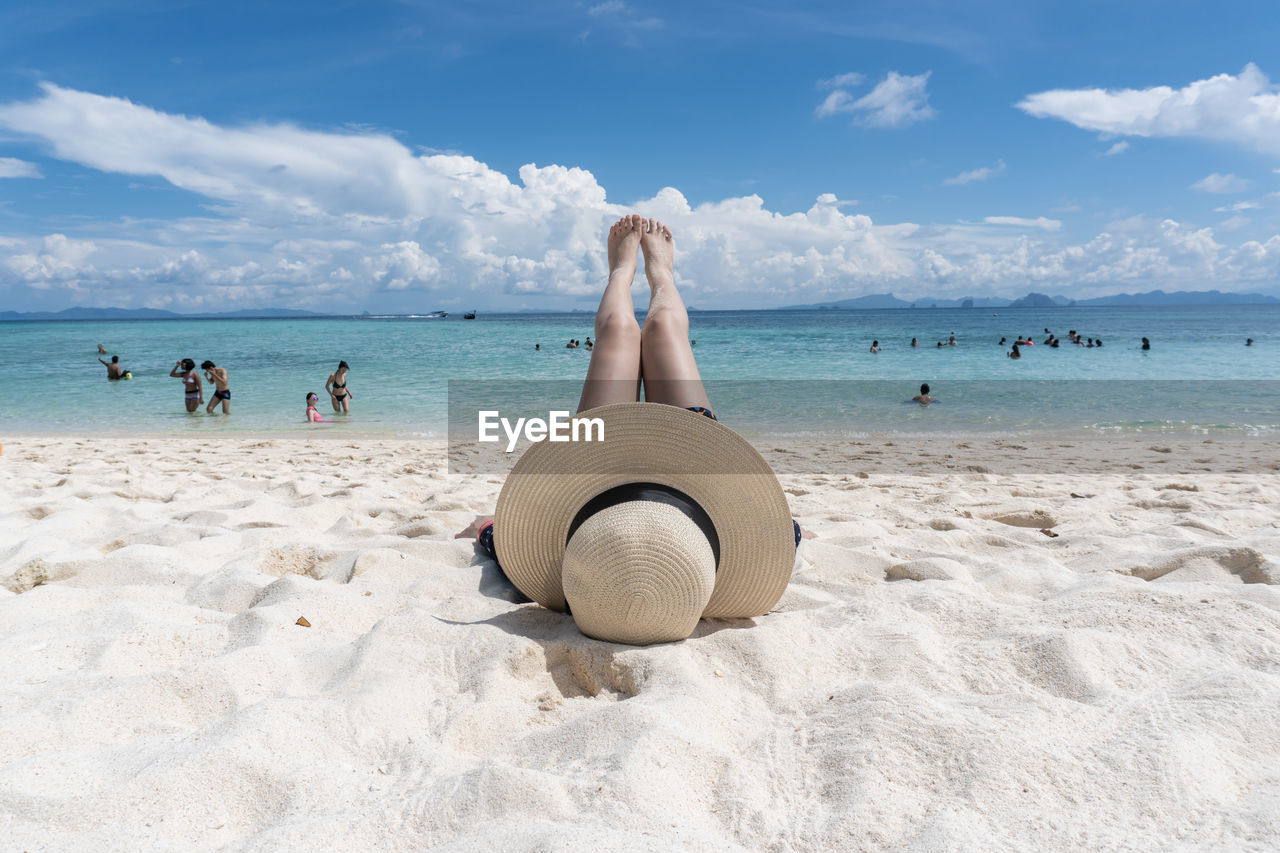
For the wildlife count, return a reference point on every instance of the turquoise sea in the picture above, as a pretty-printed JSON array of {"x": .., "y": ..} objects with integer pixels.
[{"x": 767, "y": 371}]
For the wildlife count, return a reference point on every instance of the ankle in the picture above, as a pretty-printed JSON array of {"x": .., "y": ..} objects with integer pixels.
[{"x": 659, "y": 278}]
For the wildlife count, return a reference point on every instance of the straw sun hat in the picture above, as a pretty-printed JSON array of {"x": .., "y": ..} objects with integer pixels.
[{"x": 670, "y": 518}]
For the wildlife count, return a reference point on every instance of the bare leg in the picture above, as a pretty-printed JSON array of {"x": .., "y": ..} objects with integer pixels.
[
  {"x": 670, "y": 372},
  {"x": 614, "y": 373}
]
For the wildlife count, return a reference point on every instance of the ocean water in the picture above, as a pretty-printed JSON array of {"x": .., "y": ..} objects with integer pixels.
[{"x": 766, "y": 371}]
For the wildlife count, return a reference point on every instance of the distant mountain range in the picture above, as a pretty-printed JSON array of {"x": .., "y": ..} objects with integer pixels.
[
  {"x": 1041, "y": 300},
  {"x": 150, "y": 314},
  {"x": 858, "y": 303}
]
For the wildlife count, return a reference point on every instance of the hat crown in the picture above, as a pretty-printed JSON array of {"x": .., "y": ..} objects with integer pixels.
[{"x": 638, "y": 572}]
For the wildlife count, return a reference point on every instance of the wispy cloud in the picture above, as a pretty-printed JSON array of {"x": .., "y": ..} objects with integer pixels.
[
  {"x": 11, "y": 167},
  {"x": 1119, "y": 148},
  {"x": 1217, "y": 183},
  {"x": 1237, "y": 207},
  {"x": 980, "y": 174},
  {"x": 842, "y": 81},
  {"x": 619, "y": 14},
  {"x": 1243, "y": 108},
  {"x": 1039, "y": 222},
  {"x": 896, "y": 101}
]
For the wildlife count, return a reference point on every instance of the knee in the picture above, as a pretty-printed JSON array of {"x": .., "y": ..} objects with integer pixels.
[
  {"x": 618, "y": 326},
  {"x": 666, "y": 323}
]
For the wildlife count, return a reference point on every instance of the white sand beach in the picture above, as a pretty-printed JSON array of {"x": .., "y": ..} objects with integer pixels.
[{"x": 940, "y": 674}]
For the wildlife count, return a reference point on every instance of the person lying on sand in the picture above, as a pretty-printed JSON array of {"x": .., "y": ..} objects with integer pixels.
[{"x": 639, "y": 536}]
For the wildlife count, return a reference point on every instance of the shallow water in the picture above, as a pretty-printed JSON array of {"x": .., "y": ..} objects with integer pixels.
[{"x": 793, "y": 371}]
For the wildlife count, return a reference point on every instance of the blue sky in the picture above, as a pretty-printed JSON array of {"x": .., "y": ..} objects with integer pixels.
[{"x": 419, "y": 155}]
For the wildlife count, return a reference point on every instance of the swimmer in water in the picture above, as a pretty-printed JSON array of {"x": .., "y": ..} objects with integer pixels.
[
  {"x": 313, "y": 414},
  {"x": 1249, "y": 342},
  {"x": 875, "y": 346},
  {"x": 1016, "y": 353},
  {"x": 101, "y": 350},
  {"x": 952, "y": 341},
  {"x": 923, "y": 397},
  {"x": 1146, "y": 344},
  {"x": 114, "y": 370},
  {"x": 914, "y": 342},
  {"x": 222, "y": 394},
  {"x": 192, "y": 387},
  {"x": 537, "y": 347}
]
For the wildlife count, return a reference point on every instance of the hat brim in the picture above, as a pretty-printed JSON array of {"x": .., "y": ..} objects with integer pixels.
[{"x": 650, "y": 442}]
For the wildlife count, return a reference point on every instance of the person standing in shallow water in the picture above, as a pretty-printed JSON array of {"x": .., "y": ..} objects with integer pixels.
[
  {"x": 1146, "y": 344},
  {"x": 218, "y": 376},
  {"x": 114, "y": 370},
  {"x": 336, "y": 385},
  {"x": 192, "y": 387}
]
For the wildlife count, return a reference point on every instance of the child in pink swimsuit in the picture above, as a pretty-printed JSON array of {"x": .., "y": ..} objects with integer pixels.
[{"x": 313, "y": 416}]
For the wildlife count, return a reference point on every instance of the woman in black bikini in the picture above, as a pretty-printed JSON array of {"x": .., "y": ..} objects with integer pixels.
[{"x": 337, "y": 388}]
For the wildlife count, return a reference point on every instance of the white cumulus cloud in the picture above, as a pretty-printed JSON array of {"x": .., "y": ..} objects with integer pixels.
[
  {"x": 896, "y": 101},
  {"x": 353, "y": 219},
  {"x": 1243, "y": 109}
]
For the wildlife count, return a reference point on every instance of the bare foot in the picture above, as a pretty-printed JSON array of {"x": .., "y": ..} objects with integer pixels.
[
  {"x": 659, "y": 253},
  {"x": 624, "y": 239}
]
